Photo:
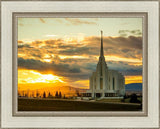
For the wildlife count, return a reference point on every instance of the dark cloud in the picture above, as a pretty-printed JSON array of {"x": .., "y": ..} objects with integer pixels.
[
  {"x": 60, "y": 69},
  {"x": 130, "y": 32},
  {"x": 77, "y": 69},
  {"x": 90, "y": 66},
  {"x": 129, "y": 47},
  {"x": 125, "y": 68},
  {"x": 121, "y": 46},
  {"x": 122, "y": 42},
  {"x": 125, "y": 50},
  {"x": 30, "y": 52},
  {"x": 131, "y": 72},
  {"x": 116, "y": 42},
  {"x": 74, "y": 51},
  {"x": 24, "y": 45}
]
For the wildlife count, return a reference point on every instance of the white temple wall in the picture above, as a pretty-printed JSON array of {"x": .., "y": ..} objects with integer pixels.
[
  {"x": 110, "y": 81},
  {"x": 117, "y": 81},
  {"x": 91, "y": 83},
  {"x": 94, "y": 81},
  {"x": 106, "y": 80},
  {"x": 97, "y": 82},
  {"x": 106, "y": 85}
]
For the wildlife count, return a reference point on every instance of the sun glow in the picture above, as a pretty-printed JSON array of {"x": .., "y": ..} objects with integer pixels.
[
  {"x": 46, "y": 56},
  {"x": 32, "y": 76},
  {"x": 47, "y": 60}
]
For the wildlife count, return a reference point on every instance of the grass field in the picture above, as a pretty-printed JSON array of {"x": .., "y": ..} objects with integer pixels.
[{"x": 71, "y": 105}]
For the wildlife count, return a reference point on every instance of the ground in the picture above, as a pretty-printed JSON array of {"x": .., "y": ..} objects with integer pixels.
[{"x": 72, "y": 105}]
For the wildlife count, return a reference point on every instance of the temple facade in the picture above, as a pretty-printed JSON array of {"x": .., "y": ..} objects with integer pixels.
[{"x": 105, "y": 82}]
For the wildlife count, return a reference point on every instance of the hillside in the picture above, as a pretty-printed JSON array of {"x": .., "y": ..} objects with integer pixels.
[
  {"x": 133, "y": 87},
  {"x": 72, "y": 91},
  {"x": 65, "y": 90}
]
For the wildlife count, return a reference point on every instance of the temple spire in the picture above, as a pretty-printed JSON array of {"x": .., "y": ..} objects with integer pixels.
[{"x": 101, "y": 53}]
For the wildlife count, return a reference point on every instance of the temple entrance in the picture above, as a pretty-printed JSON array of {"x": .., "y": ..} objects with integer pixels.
[
  {"x": 87, "y": 95},
  {"x": 98, "y": 95},
  {"x": 110, "y": 95}
]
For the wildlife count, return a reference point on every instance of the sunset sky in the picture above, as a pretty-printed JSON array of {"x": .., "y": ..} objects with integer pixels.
[{"x": 65, "y": 51}]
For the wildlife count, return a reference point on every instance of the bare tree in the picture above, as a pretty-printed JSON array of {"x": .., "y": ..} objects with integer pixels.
[
  {"x": 44, "y": 95},
  {"x": 60, "y": 95},
  {"x": 37, "y": 94},
  {"x": 56, "y": 95}
]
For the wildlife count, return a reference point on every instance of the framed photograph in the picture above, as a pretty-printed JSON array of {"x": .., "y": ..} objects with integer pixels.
[{"x": 80, "y": 64}]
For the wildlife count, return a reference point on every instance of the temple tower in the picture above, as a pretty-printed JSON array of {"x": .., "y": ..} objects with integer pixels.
[{"x": 104, "y": 82}]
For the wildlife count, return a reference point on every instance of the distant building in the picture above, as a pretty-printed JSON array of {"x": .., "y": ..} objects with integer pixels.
[{"x": 105, "y": 82}]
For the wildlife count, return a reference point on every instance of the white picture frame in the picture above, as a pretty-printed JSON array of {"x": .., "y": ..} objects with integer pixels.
[{"x": 8, "y": 8}]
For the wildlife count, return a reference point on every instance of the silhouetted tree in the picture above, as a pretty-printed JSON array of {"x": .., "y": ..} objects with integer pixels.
[
  {"x": 134, "y": 99},
  {"x": 60, "y": 95},
  {"x": 23, "y": 94},
  {"x": 19, "y": 94},
  {"x": 56, "y": 95},
  {"x": 27, "y": 94},
  {"x": 125, "y": 97},
  {"x": 64, "y": 96},
  {"x": 77, "y": 92},
  {"x": 49, "y": 94},
  {"x": 33, "y": 94},
  {"x": 37, "y": 94},
  {"x": 44, "y": 95}
]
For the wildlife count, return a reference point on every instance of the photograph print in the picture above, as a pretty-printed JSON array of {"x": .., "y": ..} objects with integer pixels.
[{"x": 80, "y": 64}]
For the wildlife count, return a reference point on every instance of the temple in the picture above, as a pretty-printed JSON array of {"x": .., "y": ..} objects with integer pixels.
[{"x": 105, "y": 82}]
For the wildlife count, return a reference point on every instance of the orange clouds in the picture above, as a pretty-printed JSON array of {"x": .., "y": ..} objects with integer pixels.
[
  {"x": 133, "y": 79},
  {"x": 31, "y": 76},
  {"x": 122, "y": 47},
  {"x": 73, "y": 60}
]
